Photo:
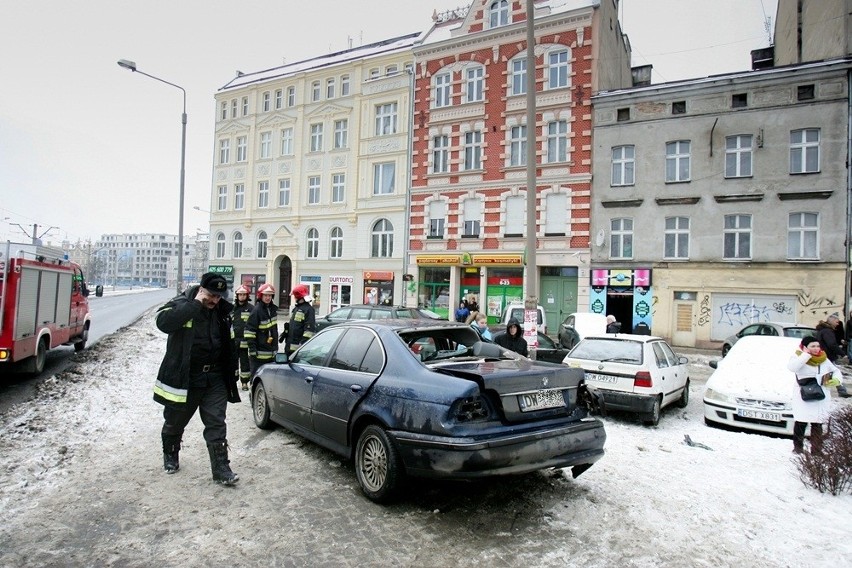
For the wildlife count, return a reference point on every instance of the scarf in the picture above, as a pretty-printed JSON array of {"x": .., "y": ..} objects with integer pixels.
[{"x": 815, "y": 360}]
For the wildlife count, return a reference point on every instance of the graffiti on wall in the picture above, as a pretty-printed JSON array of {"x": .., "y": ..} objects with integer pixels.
[
  {"x": 737, "y": 313},
  {"x": 705, "y": 312},
  {"x": 818, "y": 306}
]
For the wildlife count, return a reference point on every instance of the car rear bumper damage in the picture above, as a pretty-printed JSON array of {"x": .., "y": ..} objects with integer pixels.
[
  {"x": 626, "y": 401},
  {"x": 577, "y": 445}
]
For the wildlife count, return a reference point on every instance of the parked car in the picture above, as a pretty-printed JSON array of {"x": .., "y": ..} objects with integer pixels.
[
  {"x": 427, "y": 399},
  {"x": 370, "y": 312},
  {"x": 578, "y": 325},
  {"x": 774, "y": 329},
  {"x": 751, "y": 387},
  {"x": 516, "y": 310},
  {"x": 634, "y": 373}
]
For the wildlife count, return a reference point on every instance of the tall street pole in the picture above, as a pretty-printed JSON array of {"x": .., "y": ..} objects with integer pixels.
[{"x": 531, "y": 276}]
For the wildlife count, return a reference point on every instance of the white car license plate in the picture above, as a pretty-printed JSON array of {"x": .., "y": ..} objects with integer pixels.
[
  {"x": 759, "y": 414},
  {"x": 551, "y": 398},
  {"x": 600, "y": 378}
]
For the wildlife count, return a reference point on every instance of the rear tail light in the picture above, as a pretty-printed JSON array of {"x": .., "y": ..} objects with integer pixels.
[
  {"x": 470, "y": 409},
  {"x": 642, "y": 379}
]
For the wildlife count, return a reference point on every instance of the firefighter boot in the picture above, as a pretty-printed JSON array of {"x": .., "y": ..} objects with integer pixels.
[
  {"x": 171, "y": 448},
  {"x": 219, "y": 464}
]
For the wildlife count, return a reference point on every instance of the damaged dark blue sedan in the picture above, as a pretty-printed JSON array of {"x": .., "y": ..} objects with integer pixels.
[{"x": 428, "y": 399}]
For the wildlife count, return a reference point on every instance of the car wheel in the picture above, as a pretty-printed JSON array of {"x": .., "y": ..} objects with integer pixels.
[
  {"x": 80, "y": 345},
  {"x": 725, "y": 349},
  {"x": 684, "y": 397},
  {"x": 654, "y": 416},
  {"x": 260, "y": 407},
  {"x": 35, "y": 364},
  {"x": 377, "y": 464}
]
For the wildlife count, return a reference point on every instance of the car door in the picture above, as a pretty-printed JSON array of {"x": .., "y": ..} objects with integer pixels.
[
  {"x": 548, "y": 350},
  {"x": 291, "y": 392},
  {"x": 674, "y": 373},
  {"x": 356, "y": 363}
]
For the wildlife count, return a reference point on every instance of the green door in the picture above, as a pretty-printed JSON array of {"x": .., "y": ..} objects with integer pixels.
[{"x": 558, "y": 298}]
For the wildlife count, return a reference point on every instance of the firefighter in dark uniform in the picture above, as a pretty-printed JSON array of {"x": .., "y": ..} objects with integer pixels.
[
  {"x": 261, "y": 331},
  {"x": 240, "y": 315},
  {"x": 302, "y": 320},
  {"x": 199, "y": 371}
]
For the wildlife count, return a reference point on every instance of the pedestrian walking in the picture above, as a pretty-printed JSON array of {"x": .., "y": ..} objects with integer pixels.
[
  {"x": 811, "y": 365},
  {"x": 198, "y": 372},
  {"x": 261, "y": 330},
  {"x": 240, "y": 315},
  {"x": 302, "y": 320}
]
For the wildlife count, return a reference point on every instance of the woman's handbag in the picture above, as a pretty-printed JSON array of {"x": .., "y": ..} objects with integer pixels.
[{"x": 810, "y": 389}]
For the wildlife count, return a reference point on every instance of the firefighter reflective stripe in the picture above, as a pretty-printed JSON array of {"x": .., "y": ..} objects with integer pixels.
[
  {"x": 167, "y": 392},
  {"x": 244, "y": 377},
  {"x": 307, "y": 335},
  {"x": 188, "y": 324}
]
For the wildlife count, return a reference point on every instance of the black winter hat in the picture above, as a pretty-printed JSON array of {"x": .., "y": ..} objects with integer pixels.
[
  {"x": 215, "y": 284},
  {"x": 808, "y": 339}
]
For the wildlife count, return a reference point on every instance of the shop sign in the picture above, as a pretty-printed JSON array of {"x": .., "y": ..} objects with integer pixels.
[
  {"x": 341, "y": 279},
  {"x": 439, "y": 259},
  {"x": 492, "y": 259},
  {"x": 373, "y": 275}
]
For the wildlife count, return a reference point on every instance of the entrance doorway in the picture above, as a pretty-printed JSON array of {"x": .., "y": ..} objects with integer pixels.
[
  {"x": 620, "y": 305},
  {"x": 285, "y": 284}
]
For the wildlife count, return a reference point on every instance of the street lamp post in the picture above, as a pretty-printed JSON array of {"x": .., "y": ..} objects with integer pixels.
[{"x": 132, "y": 66}]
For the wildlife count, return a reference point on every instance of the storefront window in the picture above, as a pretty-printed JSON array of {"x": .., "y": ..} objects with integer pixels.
[{"x": 434, "y": 293}]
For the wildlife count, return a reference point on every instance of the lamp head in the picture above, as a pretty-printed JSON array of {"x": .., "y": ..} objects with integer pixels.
[{"x": 127, "y": 64}]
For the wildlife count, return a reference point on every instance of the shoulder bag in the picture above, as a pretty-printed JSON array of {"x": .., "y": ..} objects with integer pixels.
[{"x": 810, "y": 389}]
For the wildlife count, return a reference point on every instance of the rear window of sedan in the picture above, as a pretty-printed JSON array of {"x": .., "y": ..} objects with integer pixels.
[
  {"x": 615, "y": 350},
  {"x": 799, "y": 332}
]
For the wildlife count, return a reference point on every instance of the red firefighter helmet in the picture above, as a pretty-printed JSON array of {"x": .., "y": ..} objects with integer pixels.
[
  {"x": 241, "y": 290},
  {"x": 266, "y": 289},
  {"x": 300, "y": 291}
]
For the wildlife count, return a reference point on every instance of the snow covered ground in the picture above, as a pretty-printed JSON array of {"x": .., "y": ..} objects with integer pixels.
[{"x": 81, "y": 484}]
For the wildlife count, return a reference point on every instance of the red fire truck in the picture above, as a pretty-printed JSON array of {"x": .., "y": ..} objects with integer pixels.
[{"x": 43, "y": 305}]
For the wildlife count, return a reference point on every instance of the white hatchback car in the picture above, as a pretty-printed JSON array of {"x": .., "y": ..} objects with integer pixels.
[
  {"x": 751, "y": 387},
  {"x": 634, "y": 373}
]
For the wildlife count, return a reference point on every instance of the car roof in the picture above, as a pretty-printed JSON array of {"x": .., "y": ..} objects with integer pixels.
[
  {"x": 406, "y": 324},
  {"x": 625, "y": 337}
]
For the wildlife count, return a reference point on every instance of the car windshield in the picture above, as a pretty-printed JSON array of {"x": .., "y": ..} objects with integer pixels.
[{"x": 605, "y": 350}]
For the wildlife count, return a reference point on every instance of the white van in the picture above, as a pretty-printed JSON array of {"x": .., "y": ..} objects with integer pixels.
[{"x": 516, "y": 310}]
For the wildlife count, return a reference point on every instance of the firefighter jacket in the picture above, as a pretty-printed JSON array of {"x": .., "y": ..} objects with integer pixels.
[
  {"x": 261, "y": 331},
  {"x": 175, "y": 318},
  {"x": 302, "y": 325},
  {"x": 240, "y": 316}
]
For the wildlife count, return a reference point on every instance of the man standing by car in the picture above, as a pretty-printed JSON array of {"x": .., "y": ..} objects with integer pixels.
[
  {"x": 261, "y": 329},
  {"x": 513, "y": 339},
  {"x": 240, "y": 315},
  {"x": 302, "y": 320},
  {"x": 198, "y": 372},
  {"x": 827, "y": 337}
]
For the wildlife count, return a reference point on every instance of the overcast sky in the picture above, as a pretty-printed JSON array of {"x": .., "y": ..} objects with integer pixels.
[{"x": 91, "y": 148}]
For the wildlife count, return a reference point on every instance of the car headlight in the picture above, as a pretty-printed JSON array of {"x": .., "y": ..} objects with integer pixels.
[{"x": 717, "y": 396}]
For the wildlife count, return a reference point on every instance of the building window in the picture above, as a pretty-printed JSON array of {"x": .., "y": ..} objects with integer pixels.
[
  {"x": 284, "y": 192},
  {"x": 386, "y": 119},
  {"x": 374, "y": 73},
  {"x": 739, "y": 100},
  {"x": 267, "y": 100},
  {"x": 557, "y": 141},
  {"x": 557, "y": 69},
  {"x": 286, "y": 141},
  {"x": 265, "y": 145},
  {"x": 737, "y": 237},
  {"x": 238, "y": 245},
  {"x": 220, "y": 245},
  {"x": 518, "y": 146},
  {"x": 341, "y": 133},
  {"x": 315, "y": 91},
  {"x": 336, "y": 243},
  {"x": 474, "y": 81},
  {"x": 224, "y": 113},
  {"x": 623, "y": 165},
  {"x": 316, "y": 137},
  {"x": 515, "y": 219},
  {"x": 437, "y": 216},
  {"x": 622, "y": 114},
  {"x": 391, "y": 70},
  {"x": 621, "y": 238},
  {"x": 233, "y": 108},
  {"x": 222, "y": 198},
  {"x": 473, "y": 150},
  {"x": 381, "y": 241},
  {"x": 442, "y": 89},
  {"x": 242, "y": 148},
  {"x": 313, "y": 190},
  {"x": 518, "y": 76},
  {"x": 738, "y": 156},
  {"x": 803, "y": 236},
  {"x": 472, "y": 217},
  {"x": 239, "y": 197},
  {"x": 804, "y": 151},
  {"x": 805, "y": 92},
  {"x": 245, "y": 106},
  {"x": 338, "y": 188},
  {"x": 263, "y": 194},
  {"x": 498, "y": 13},
  {"x": 224, "y": 151},
  {"x": 556, "y": 215},
  {"x": 440, "y": 154},
  {"x": 344, "y": 85},
  {"x": 329, "y": 88},
  {"x": 679, "y": 107},
  {"x": 291, "y": 96},
  {"x": 313, "y": 243},
  {"x": 677, "y": 161},
  {"x": 262, "y": 245},
  {"x": 676, "y": 241},
  {"x": 383, "y": 178},
  {"x": 279, "y": 99}
]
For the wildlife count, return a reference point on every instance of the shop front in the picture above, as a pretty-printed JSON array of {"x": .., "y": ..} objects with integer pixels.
[
  {"x": 378, "y": 287},
  {"x": 625, "y": 294},
  {"x": 314, "y": 284},
  {"x": 340, "y": 291}
]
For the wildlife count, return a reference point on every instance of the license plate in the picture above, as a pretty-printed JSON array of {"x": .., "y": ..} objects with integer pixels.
[
  {"x": 551, "y": 398},
  {"x": 600, "y": 378},
  {"x": 759, "y": 414}
]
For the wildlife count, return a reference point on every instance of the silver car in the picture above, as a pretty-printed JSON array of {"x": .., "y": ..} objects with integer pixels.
[{"x": 768, "y": 328}]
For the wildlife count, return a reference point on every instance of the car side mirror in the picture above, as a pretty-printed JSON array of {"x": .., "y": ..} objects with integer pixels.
[
  {"x": 682, "y": 360},
  {"x": 282, "y": 358}
]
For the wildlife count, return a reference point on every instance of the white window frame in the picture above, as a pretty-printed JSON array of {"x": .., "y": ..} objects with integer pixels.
[
  {"x": 335, "y": 243},
  {"x": 224, "y": 109},
  {"x": 435, "y": 228},
  {"x": 284, "y": 192},
  {"x": 805, "y": 151},
  {"x": 242, "y": 148},
  {"x": 263, "y": 194},
  {"x": 558, "y": 69},
  {"x": 344, "y": 85},
  {"x": 329, "y": 88},
  {"x": 621, "y": 238},
  {"x": 736, "y": 236},
  {"x": 234, "y": 107},
  {"x": 472, "y": 217},
  {"x": 623, "y": 165},
  {"x": 556, "y": 214},
  {"x": 386, "y": 119},
  {"x": 220, "y": 245},
  {"x": 515, "y": 219},
  {"x": 341, "y": 133},
  {"x": 314, "y": 190},
  {"x": 267, "y": 101},
  {"x": 557, "y": 141},
  {"x": 518, "y": 76},
  {"x": 338, "y": 188},
  {"x": 473, "y": 150},
  {"x": 279, "y": 99},
  {"x": 239, "y": 196},
  {"x": 384, "y": 178},
  {"x": 316, "y": 137},
  {"x": 222, "y": 198},
  {"x": 518, "y": 145},
  {"x": 678, "y": 161},
  {"x": 381, "y": 239},
  {"x": 803, "y": 236},
  {"x": 442, "y": 89},
  {"x": 224, "y": 151},
  {"x": 245, "y": 106},
  {"x": 312, "y": 243},
  {"x": 676, "y": 237},
  {"x": 237, "y": 245},
  {"x": 440, "y": 154},
  {"x": 287, "y": 141},
  {"x": 265, "y": 145},
  {"x": 474, "y": 86},
  {"x": 291, "y": 97},
  {"x": 738, "y": 156},
  {"x": 498, "y": 14},
  {"x": 262, "y": 244},
  {"x": 316, "y": 91}
]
